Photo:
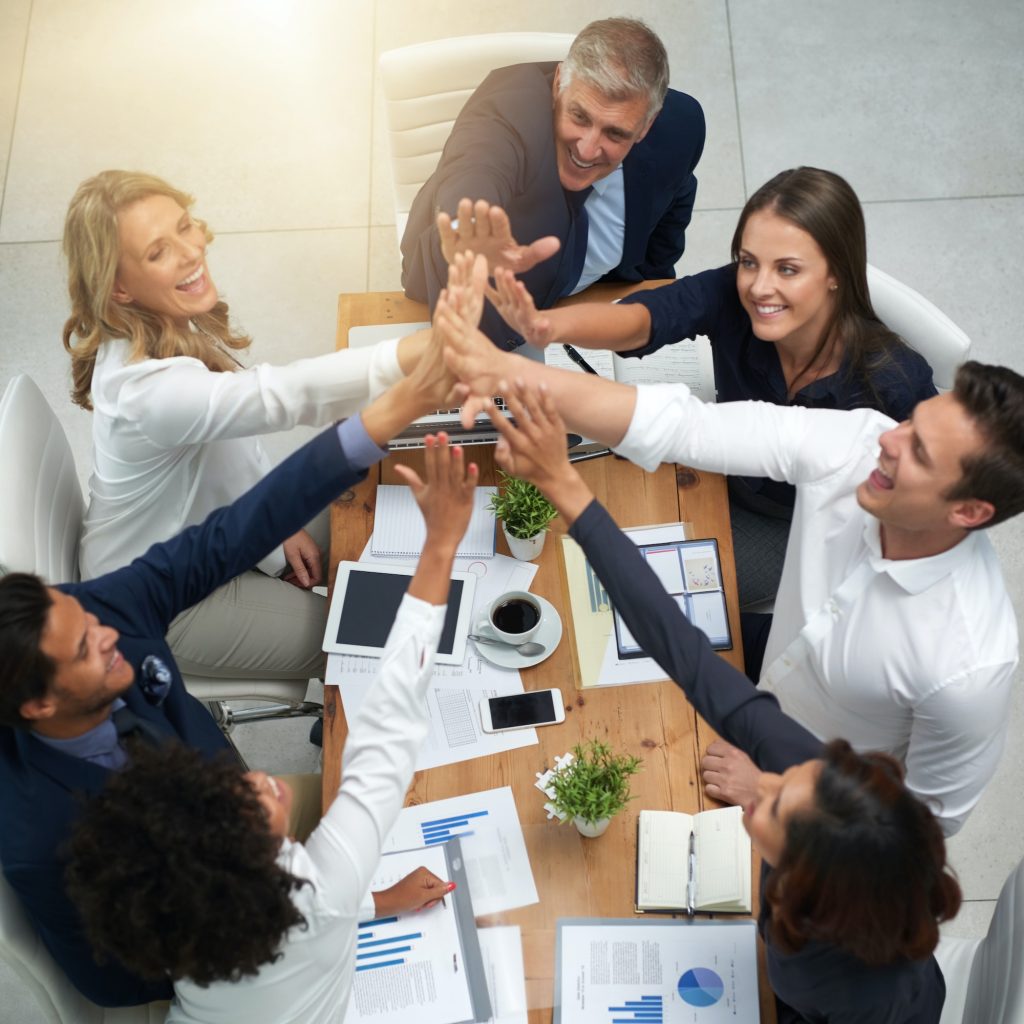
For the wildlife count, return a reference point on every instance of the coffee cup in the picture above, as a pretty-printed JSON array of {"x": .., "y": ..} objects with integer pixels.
[{"x": 515, "y": 616}]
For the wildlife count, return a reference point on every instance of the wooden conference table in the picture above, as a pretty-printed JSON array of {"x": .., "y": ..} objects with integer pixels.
[{"x": 575, "y": 877}]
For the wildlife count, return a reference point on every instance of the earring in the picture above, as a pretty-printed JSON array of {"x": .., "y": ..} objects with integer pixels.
[{"x": 832, "y": 287}]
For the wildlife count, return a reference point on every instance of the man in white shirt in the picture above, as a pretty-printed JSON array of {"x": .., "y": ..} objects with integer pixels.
[{"x": 892, "y": 625}]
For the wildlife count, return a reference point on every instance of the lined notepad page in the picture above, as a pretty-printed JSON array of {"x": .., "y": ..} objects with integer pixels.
[{"x": 399, "y": 530}]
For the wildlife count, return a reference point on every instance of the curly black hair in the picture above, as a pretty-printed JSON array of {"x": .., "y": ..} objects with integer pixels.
[{"x": 174, "y": 870}]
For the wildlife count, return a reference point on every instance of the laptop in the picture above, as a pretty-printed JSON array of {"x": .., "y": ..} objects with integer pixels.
[{"x": 481, "y": 432}]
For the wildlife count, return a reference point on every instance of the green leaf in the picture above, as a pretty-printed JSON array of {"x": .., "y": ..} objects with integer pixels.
[
  {"x": 596, "y": 784},
  {"x": 522, "y": 508}
]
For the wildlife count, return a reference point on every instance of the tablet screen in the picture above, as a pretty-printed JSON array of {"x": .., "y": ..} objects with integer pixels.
[{"x": 371, "y": 604}]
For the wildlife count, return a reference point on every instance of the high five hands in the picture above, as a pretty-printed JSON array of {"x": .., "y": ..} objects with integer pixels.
[{"x": 485, "y": 229}]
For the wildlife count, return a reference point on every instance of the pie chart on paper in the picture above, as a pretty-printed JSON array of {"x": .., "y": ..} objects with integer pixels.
[{"x": 701, "y": 986}]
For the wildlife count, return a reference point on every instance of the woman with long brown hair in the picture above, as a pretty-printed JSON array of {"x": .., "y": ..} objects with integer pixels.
[{"x": 176, "y": 416}]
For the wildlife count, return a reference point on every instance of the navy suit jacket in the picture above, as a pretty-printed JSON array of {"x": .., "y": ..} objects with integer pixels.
[
  {"x": 42, "y": 789},
  {"x": 502, "y": 149}
]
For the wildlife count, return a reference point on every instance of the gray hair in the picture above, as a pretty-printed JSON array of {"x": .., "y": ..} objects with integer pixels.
[{"x": 621, "y": 58}]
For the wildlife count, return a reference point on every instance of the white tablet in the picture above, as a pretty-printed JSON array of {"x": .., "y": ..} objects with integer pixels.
[{"x": 365, "y": 602}]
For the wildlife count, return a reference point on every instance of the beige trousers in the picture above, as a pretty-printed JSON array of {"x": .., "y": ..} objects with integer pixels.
[{"x": 255, "y": 627}]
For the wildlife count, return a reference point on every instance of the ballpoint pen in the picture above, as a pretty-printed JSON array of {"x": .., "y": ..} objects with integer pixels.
[
  {"x": 691, "y": 885},
  {"x": 579, "y": 360}
]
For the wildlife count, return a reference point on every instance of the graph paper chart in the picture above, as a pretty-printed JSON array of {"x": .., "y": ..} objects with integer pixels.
[
  {"x": 384, "y": 942},
  {"x": 642, "y": 1010},
  {"x": 440, "y": 830}
]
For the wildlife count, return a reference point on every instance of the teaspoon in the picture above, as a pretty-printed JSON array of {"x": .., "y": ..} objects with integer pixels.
[{"x": 527, "y": 650}]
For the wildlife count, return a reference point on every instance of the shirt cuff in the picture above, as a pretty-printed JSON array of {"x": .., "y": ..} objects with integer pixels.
[
  {"x": 358, "y": 446},
  {"x": 651, "y": 401}
]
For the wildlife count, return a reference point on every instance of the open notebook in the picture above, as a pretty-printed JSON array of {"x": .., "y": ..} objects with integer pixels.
[
  {"x": 721, "y": 857},
  {"x": 399, "y": 530}
]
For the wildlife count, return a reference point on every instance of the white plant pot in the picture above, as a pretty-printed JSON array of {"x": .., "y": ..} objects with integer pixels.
[
  {"x": 591, "y": 829},
  {"x": 525, "y": 550}
]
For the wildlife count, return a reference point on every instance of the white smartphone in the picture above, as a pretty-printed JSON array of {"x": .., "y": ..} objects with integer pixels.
[{"x": 522, "y": 710}]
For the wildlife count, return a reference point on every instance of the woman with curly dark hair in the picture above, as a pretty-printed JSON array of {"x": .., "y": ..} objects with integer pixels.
[
  {"x": 184, "y": 868},
  {"x": 854, "y": 882}
]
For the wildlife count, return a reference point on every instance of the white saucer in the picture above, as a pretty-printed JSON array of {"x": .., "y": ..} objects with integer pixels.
[{"x": 549, "y": 633}]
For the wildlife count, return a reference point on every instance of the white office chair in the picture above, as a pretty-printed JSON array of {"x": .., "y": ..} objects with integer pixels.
[
  {"x": 985, "y": 977},
  {"x": 58, "y": 1000},
  {"x": 921, "y": 324},
  {"x": 41, "y": 525},
  {"x": 427, "y": 85}
]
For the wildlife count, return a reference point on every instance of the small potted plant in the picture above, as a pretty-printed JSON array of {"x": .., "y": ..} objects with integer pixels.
[
  {"x": 525, "y": 516},
  {"x": 593, "y": 786}
]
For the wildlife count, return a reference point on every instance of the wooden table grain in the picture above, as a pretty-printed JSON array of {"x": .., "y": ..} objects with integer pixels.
[{"x": 575, "y": 877}]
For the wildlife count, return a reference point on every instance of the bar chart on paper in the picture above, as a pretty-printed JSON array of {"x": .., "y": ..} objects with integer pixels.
[
  {"x": 642, "y": 1010},
  {"x": 384, "y": 942},
  {"x": 440, "y": 830}
]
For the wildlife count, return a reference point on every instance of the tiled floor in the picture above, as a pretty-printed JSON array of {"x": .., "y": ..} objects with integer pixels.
[{"x": 270, "y": 113}]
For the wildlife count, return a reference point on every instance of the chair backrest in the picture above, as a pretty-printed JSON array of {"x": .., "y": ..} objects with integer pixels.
[
  {"x": 42, "y": 506},
  {"x": 995, "y": 992},
  {"x": 58, "y": 1000},
  {"x": 921, "y": 324},
  {"x": 427, "y": 85},
  {"x": 985, "y": 978}
]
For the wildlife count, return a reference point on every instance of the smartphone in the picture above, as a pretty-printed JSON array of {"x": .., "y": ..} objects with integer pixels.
[{"x": 522, "y": 710}]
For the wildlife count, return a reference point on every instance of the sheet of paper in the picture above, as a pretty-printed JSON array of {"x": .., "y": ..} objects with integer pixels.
[
  {"x": 453, "y": 700},
  {"x": 502, "y": 950},
  {"x": 599, "y": 359},
  {"x": 667, "y": 567},
  {"x": 628, "y": 972},
  {"x": 404, "y": 964},
  {"x": 399, "y": 530},
  {"x": 493, "y": 847},
  {"x": 708, "y": 613},
  {"x": 687, "y": 362}
]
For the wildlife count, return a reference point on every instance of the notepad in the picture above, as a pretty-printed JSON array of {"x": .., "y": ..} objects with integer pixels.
[
  {"x": 722, "y": 856},
  {"x": 399, "y": 530}
]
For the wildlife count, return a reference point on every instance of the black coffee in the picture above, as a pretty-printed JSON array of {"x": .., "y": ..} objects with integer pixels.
[{"x": 515, "y": 616}]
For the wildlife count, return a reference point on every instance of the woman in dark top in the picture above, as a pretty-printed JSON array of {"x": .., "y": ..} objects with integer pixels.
[
  {"x": 798, "y": 281},
  {"x": 854, "y": 882}
]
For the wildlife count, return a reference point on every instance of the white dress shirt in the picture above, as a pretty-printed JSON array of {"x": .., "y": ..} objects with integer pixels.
[
  {"x": 912, "y": 657},
  {"x": 172, "y": 440},
  {"x": 311, "y": 982}
]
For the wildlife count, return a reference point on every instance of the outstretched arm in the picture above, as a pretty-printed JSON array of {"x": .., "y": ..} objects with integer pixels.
[
  {"x": 386, "y": 735},
  {"x": 747, "y": 717},
  {"x": 583, "y": 324}
]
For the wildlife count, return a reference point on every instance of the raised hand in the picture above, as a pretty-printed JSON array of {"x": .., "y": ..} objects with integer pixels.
[
  {"x": 467, "y": 285},
  {"x": 516, "y": 307},
  {"x": 534, "y": 448},
  {"x": 446, "y": 497},
  {"x": 485, "y": 229},
  {"x": 477, "y": 363}
]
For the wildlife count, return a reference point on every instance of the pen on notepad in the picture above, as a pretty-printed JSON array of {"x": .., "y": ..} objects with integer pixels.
[
  {"x": 691, "y": 885},
  {"x": 579, "y": 360}
]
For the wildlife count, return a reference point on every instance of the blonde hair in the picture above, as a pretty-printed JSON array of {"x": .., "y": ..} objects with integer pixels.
[{"x": 92, "y": 248}]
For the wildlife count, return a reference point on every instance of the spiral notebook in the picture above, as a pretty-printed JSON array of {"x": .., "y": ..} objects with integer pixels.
[{"x": 399, "y": 530}]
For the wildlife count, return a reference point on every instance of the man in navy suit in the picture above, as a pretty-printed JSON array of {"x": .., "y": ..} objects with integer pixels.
[
  {"x": 606, "y": 184},
  {"x": 84, "y": 665}
]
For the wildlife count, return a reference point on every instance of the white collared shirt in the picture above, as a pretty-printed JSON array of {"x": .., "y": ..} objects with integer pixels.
[
  {"x": 606, "y": 231},
  {"x": 912, "y": 657}
]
